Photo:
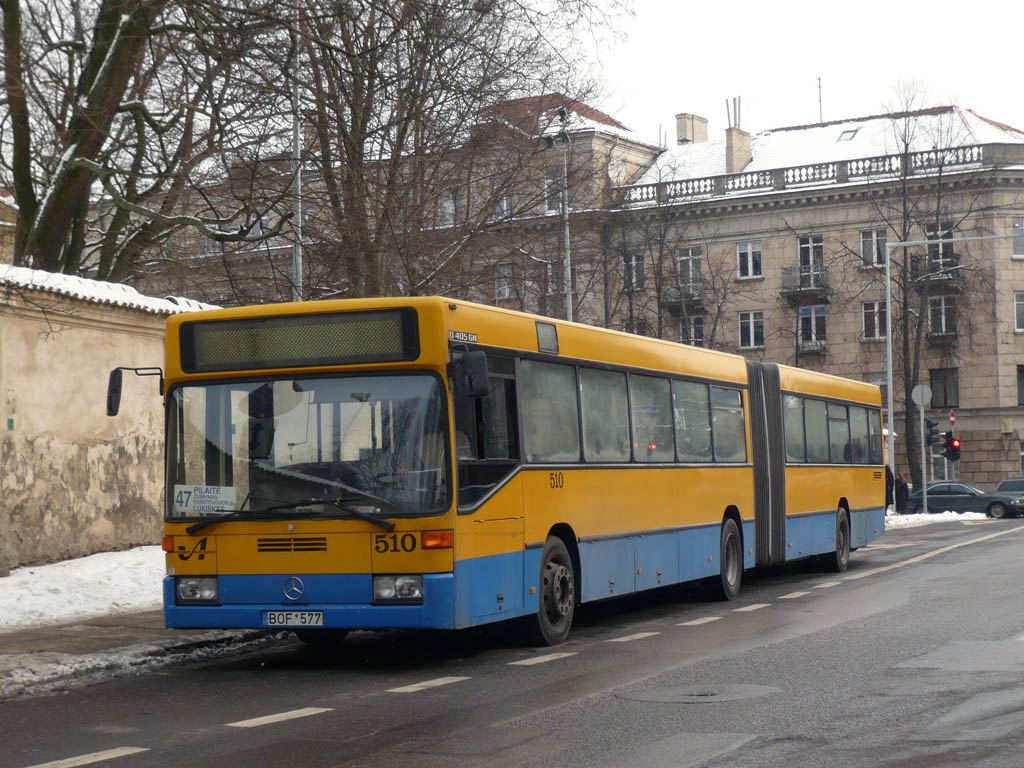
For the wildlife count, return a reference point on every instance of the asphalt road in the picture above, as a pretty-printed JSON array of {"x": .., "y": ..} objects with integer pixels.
[{"x": 914, "y": 657}]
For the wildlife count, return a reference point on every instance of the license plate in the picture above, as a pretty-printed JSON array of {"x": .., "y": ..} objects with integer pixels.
[{"x": 293, "y": 618}]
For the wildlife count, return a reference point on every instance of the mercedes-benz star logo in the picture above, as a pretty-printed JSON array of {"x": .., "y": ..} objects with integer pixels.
[{"x": 294, "y": 588}]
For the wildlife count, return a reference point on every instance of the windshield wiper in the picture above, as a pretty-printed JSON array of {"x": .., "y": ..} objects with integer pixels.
[
  {"x": 234, "y": 514},
  {"x": 275, "y": 512}
]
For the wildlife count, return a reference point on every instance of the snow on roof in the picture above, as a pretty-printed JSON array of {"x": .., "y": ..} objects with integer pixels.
[
  {"x": 839, "y": 140},
  {"x": 95, "y": 291}
]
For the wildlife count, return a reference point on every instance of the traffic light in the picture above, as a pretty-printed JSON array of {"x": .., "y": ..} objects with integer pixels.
[
  {"x": 951, "y": 447},
  {"x": 932, "y": 434}
]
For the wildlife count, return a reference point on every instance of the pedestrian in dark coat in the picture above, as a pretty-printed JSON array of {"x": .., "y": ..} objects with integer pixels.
[{"x": 902, "y": 492}]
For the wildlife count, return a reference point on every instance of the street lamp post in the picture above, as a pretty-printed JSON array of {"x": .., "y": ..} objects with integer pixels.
[
  {"x": 891, "y": 442},
  {"x": 564, "y": 135}
]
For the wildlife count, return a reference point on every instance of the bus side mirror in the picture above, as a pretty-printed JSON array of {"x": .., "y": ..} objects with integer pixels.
[
  {"x": 114, "y": 392},
  {"x": 476, "y": 373}
]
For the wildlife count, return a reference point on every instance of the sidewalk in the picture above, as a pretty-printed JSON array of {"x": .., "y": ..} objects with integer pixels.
[{"x": 41, "y": 659}]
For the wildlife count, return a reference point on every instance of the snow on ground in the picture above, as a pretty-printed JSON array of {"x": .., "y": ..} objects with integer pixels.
[
  {"x": 98, "y": 585},
  {"x": 124, "y": 582}
]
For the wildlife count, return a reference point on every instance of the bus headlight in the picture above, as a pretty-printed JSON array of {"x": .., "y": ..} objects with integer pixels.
[
  {"x": 398, "y": 589},
  {"x": 196, "y": 589}
]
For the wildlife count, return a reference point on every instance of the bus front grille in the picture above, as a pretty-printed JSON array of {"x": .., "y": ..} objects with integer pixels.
[{"x": 292, "y": 544}]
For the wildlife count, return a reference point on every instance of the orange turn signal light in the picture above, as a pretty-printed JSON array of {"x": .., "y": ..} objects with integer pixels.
[
  {"x": 167, "y": 544},
  {"x": 437, "y": 539}
]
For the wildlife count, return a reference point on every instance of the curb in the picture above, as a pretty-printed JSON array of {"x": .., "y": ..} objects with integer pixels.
[{"x": 45, "y": 672}]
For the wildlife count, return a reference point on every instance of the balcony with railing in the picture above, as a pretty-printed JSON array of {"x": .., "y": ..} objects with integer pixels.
[
  {"x": 866, "y": 169},
  {"x": 806, "y": 282},
  {"x": 687, "y": 295},
  {"x": 936, "y": 270}
]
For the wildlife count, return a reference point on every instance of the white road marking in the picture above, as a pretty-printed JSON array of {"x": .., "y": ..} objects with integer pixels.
[
  {"x": 92, "y": 757},
  {"x": 1020, "y": 639},
  {"x": 281, "y": 716},
  {"x": 793, "y": 595},
  {"x": 827, "y": 584},
  {"x": 540, "y": 659},
  {"x": 929, "y": 555},
  {"x": 426, "y": 684},
  {"x": 696, "y": 622},
  {"x": 637, "y": 636},
  {"x": 754, "y": 607}
]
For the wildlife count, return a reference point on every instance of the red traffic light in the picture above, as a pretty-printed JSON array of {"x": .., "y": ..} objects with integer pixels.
[{"x": 954, "y": 443}]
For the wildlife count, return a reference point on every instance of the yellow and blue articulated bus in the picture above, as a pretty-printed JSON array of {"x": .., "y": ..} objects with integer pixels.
[{"x": 425, "y": 462}]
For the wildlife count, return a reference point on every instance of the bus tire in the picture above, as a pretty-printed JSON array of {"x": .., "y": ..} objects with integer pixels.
[
  {"x": 727, "y": 585},
  {"x": 838, "y": 560},
  {"x": 321, "y": 638},
  {"x": 557, "y": 594}
]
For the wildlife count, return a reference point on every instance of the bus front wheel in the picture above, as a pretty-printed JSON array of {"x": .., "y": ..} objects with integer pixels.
[
  {"x": 727, "y": 587},
  {"x": 557, "y": 593}
]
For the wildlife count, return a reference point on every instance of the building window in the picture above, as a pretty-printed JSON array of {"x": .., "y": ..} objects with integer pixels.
[
  {"x": 812, "y": 326},
  {"x": 748, "y": 259},
  {"x": 875, "y": 326},
  {"x": 633, "y": 270},
  {"x": 879, "y": 380},
  {"x": 1018, "y": 305},
  {"x": 751, "y": 330},
  {"x": 872, "y": 247},
  {"x": 504, "y": 275},
  {"x": 1020, "y": 385},
  {"x": 848, "y": 134},
  {"x": 553, "y": 192},
  {"x": 942, "y": 315},
  {"x": 1022, "y": 458},
  {"x": 945, "y": 389},
  {"x": 940, "y": 255},
  {"x": 812, "y": 260},
  {"x": 690, "y": 266},
  {"x": 1018, "y": 235},
  {"x": 692, "y": 330}
]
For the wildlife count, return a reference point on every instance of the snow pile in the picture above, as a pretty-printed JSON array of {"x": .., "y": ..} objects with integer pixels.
[
  {"x": 98, "y": 585},
  {"x": 893, "y": 520}
]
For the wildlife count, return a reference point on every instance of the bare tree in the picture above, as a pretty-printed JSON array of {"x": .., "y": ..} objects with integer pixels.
[{"x": 116, "y": 110}]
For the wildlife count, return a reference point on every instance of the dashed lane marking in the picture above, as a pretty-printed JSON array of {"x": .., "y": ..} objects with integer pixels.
[
  {"x": 92, "y": 757},
  {"x": 541, "y": 659},
  {"x": 697, "y": 622},
  {"x": 793, "y": 595},
  {"x": 279, "y": 717},
  {"x": 754, "y": 607},
  {"x": 930, "y": 555},
  {"x": 415, "y": 687},
  {"x": 637, "y": 636},
  {"x": 827, "y": 584}
]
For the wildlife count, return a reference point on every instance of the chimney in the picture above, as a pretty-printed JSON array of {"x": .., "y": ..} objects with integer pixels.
[
  {"x": 691, "y": 129},
  {"x": 737, "y": 150}
]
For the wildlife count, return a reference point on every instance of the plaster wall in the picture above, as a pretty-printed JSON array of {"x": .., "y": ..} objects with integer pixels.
[{"x": 72, "y": 480}]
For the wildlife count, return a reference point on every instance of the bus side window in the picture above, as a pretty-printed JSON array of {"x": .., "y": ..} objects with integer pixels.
[{"x": 486, "y": 436}]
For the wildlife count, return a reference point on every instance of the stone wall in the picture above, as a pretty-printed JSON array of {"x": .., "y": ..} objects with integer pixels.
[{"x": 73, "y": 481}]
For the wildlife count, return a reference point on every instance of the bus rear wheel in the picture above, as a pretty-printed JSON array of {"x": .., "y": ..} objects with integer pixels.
[
  {"x": 838, "y": 560},
  {"x": 727, "y": 586},
  {"x": 557, "y": 594}
]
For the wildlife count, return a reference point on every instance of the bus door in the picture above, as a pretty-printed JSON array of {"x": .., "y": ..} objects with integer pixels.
[{"x": 489, "y": 542}]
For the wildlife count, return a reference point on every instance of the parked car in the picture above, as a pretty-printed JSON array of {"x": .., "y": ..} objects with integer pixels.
[
  {"x": 1013, "y": 485},
  {"x": 960, "y": 497}
]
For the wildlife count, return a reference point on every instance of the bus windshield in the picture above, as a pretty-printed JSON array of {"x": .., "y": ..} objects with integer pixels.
[{"x": 373, "y": 443}]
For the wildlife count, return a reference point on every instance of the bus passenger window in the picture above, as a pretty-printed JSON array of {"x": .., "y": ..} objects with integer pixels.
[
  {"x": 605, "y": 415},
  {"x": 727, "y": 425},
  {"x": 550, "y": 412},
  {"x": 816, "y": 429},
  {"x": 693, "y": 420},
  {"x": 652, "y": 420},
  {"x": 838, "y": 434},
  {"x": 859, "y": 435},
  {"x": 793, "y": 414},
  {"x": 874, "y": 436}
]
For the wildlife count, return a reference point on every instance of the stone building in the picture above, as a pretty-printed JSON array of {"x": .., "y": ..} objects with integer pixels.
[{"x": 773, "y": 245}]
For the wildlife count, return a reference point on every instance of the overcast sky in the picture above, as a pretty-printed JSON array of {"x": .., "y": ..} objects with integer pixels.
[{"x": 692, "y": 57}]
